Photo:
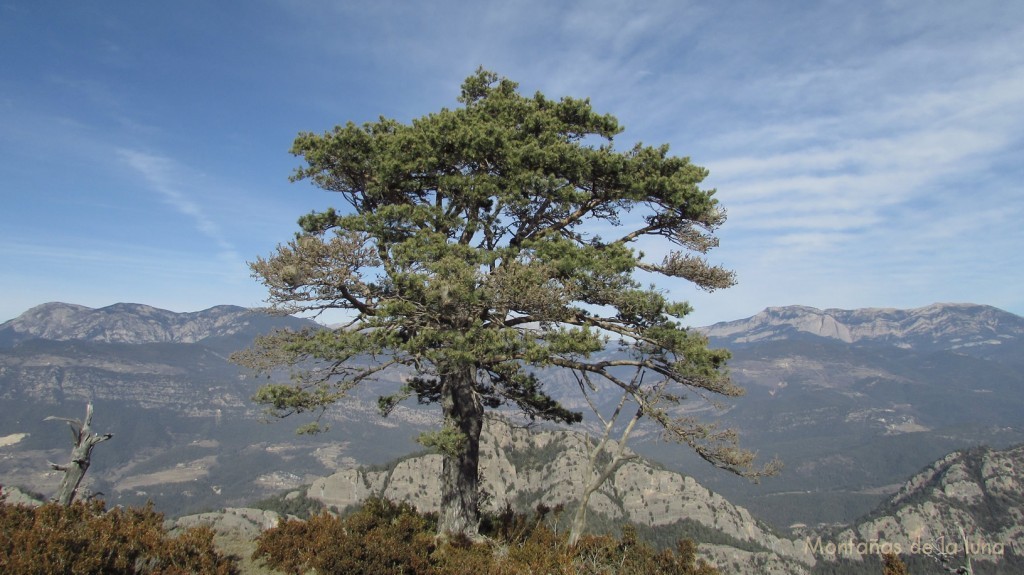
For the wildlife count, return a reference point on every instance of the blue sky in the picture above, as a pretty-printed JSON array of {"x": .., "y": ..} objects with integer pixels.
[{"x": 869, "y": 154}]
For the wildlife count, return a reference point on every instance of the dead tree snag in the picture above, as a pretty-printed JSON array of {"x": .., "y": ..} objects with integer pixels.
[{"x": 81, "y": 454}]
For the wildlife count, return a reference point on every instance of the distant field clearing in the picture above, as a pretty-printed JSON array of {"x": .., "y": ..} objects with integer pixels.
[
  {"x": 182, "y": 472},
  {"x": 12, "y": 439}
]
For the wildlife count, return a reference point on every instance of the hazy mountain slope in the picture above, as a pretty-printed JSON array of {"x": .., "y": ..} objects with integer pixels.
[
  {"x": 854, "y": 407},
  {"x": 850, "y": 419},
  {"x": 137, "y": 324},
  {"x": 189, "y": 379},
  {"x": 153, "y": 358},
  {"x": 186, "y": 432},
  {"x": 979, "y": 491},
  {"x": 525, "y": 467},
  {"x": 937, "y": 326}
]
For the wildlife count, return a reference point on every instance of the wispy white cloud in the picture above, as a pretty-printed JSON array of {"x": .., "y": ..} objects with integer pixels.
[
  {"x": 880, "y": 159},
  {"x": 867, "y": 153},
  {"x": 162, "y": 175},
  {"x": 114, "y": 259}
]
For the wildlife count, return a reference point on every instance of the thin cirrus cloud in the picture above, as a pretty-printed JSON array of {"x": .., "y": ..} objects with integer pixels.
[
  {"x": 867, "y": 153},
  {"x": 852, "y": 169},
  {"x": 161, "y": 174}
]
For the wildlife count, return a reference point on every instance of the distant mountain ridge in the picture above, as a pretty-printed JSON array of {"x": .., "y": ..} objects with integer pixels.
[
  {"x": 853, "y": 401},
  {"x": 936, "y": 326},
  {"x": 186, "y": 431},
  {"x": 154, "y": 358},
  {"x": 137, "y": 324}
]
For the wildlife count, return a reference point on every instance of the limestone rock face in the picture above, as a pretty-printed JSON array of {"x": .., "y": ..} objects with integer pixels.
[
  {"x": 524, "y": 468},
  {"x": 937, "y": 326},
  {"x": 414, "y": 480},
  {"x": 129, "y": 323},
  {"x": 58, "y": 353},
  {"x": 242, "y": 521},
  {"x": 15, "y": 496},
  {"x": 978, "y": 491}
]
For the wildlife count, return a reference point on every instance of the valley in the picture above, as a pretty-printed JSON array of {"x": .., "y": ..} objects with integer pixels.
[{"x": 853, "y": 402}]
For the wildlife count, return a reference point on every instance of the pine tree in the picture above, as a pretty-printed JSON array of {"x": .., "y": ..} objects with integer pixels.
[{"x": 481, "y": 244}]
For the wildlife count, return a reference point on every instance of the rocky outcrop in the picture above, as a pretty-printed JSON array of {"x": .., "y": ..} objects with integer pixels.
[
  {"x": 15, "y": 496},
  {"x": 147, "y": 357},
  {"x": 524, "y": 467},
  {"x": 969, "y": 503},
  {"x": 236, "y": 521},
  {"x": 136, "y": 324},
  {"x": 937, "y": 326}
]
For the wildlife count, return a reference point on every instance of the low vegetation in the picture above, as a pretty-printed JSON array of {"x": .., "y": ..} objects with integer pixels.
[
  {"x": 380, "y": 537},
  {"x": 385, "y": 538},
  {"x": 292, "y": 503},
  {"x": 893, "y": 565},
  {"x": 86, "y": 539}
]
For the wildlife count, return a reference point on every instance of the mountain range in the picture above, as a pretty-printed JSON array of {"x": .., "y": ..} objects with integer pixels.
[
  {"x": 976, "y": 490},
  {"x": 930, "y": 328},
  {"x": 852, "y": 401},
  {"x": 220, "y": 326}
]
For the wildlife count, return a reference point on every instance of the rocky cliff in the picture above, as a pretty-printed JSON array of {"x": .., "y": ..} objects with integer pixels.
[
  {"x": 138, "y": 324},
  {"x": 151, "y": 358},
  {"x": 855, "y": 401},
  {"x": 523, "y": 468},
  {"x": 967, "y": 505},
  {"x": 937, "y": 326}
]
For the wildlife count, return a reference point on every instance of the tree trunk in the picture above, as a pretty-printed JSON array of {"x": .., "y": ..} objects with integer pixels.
[
  {"x": 81, "y": 455},
  {"x": 459, "y": 480}
]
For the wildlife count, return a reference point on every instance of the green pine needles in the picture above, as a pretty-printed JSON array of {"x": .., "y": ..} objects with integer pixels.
[{"x": 477, "y": 245}]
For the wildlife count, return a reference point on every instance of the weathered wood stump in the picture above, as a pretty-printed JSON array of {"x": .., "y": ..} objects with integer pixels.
[{"x": 81, "y": 454}]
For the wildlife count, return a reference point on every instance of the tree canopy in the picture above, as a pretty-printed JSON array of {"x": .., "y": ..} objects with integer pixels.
[{"x": 481, "y": 244}]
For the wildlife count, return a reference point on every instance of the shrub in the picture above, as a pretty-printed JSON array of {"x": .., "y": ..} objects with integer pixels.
[
  {"x": 382, "y": 538},
  {"x": 84, "y": 539},
  {"x": 893, "y": 565},
  {"x": 299, "y": 505},
  {"x": 385, "y": 538}
]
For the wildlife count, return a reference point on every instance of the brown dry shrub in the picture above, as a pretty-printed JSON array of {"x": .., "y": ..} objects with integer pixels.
[
  {"x": 381, "y": 539},
  {"x": 85, "y": 539},
  {"x": 893, "y": 565},
  {"x": 387, "y": 538}
]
